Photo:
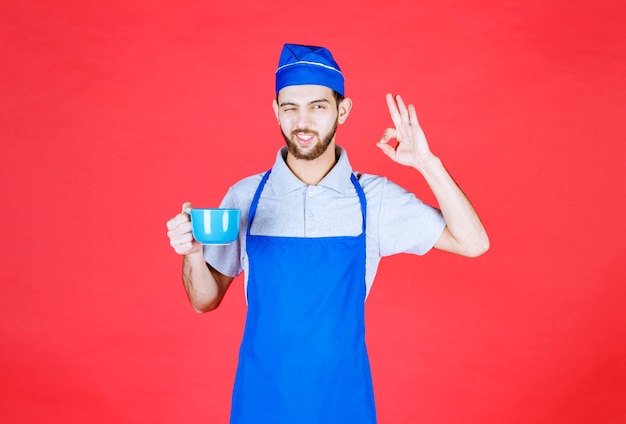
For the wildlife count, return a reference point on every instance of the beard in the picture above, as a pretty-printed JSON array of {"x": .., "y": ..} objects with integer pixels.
[{"x": 314, "y": 151}]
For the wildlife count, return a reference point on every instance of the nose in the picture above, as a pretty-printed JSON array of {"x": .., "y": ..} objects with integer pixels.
[{"x": 303, "y": 120}]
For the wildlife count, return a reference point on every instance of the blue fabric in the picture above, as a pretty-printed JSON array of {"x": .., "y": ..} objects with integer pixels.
[
  {"x": 303, "y": 357},
  {"x": 300, "y": 65}
]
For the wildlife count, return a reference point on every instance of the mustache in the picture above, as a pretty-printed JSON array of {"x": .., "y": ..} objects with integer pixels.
[{"x": 305, "y": 131}]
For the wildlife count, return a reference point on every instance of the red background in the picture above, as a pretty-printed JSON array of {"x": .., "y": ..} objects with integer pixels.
[{"x": 114, "y": 113}]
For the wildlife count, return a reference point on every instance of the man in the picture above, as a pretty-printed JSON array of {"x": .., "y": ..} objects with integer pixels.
[{"x": 313, "y": 232}]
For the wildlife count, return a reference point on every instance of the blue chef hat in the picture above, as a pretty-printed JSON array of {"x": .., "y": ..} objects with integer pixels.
[{"x": 299, "y": 65}]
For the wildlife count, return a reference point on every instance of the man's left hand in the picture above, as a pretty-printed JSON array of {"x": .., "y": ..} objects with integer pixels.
[{"x": 411, "y": 148}]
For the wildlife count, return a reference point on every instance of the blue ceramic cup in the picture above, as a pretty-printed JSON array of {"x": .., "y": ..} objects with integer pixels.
[{"x": 215, "y": 225}]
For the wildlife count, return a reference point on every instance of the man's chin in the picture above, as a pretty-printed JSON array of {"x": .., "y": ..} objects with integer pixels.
[
  {"x": 310, "y": 151},
  {"x": 303, "y": 153}
]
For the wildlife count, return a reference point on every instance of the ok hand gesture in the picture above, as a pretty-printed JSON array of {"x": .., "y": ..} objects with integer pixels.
[{"x": 411, "y": 148}]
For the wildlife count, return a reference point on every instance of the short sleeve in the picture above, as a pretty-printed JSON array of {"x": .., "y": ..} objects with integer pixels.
[{"x": 405, "y": 223}]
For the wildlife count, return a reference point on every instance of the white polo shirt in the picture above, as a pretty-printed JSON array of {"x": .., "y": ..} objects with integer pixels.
[{"x": 397, "y": 222}]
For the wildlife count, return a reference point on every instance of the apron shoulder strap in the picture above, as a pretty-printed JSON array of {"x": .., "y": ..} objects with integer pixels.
[
  {"x": 255, "y": 199},
  {"x": 361, "y": 193}
]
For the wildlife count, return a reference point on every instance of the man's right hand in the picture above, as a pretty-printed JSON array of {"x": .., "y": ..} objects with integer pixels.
[{"x": 179, "y": 233}]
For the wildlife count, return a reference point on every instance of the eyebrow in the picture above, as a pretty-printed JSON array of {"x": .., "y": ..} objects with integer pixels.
[{"x": 310, "y": 103}]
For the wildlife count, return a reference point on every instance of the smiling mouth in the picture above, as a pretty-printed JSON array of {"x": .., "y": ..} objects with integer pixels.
[{"x": 304, "y": 138}]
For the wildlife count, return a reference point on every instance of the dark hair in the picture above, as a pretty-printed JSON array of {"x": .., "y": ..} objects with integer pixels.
[{"x": 338, "y": 97}]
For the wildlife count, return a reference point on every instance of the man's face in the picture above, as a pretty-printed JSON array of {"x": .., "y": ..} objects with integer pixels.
[{"x": 308, "y": 117}]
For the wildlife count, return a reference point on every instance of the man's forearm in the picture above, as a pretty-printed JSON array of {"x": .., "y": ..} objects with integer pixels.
[
  {"x": 202, "y": 288},
  {"x": 461, "y": 219}
]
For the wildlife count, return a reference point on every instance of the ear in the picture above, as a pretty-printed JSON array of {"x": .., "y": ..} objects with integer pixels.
[
  {"x": 344, "y": 110},
  {"x": 275, "y": 106}
]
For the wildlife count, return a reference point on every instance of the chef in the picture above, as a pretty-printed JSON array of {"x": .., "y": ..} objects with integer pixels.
[{"x": 313, "y": 232}]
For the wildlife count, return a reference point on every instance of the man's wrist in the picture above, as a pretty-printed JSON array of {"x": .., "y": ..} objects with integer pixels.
[
  {"x": 428, "y": 164},
  {"x": 196, "y": 256}
]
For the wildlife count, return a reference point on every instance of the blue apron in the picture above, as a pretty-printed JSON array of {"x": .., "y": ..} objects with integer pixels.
[{"x": 303, "y": 357}]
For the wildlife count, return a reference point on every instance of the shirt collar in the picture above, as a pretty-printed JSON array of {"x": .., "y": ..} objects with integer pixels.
[{"x": 284, "y": 181}]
